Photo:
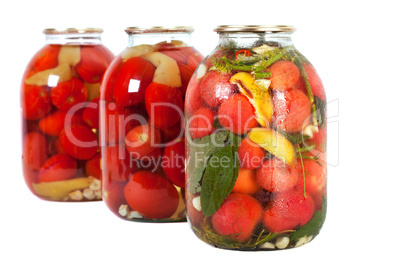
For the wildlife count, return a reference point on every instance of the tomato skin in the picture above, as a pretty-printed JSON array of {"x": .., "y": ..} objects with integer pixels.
[
  {"x": 237, "y": 114},
  {"x": 275, "y": 176},
  {"x": 185, "y": 75},
  {"x": 93, "y": 166},
  {"x": 142, "y": 140},
  {"x": 54, "y": 123},
  {"x": 35, "y": 101},
  {"x": 109, "y": 79},
  {"x": 179, "y": 54},
  {"x": 194, "y": 59},
  {"x": 35, "y": 150},
  {"x": 164, "y": 105},
  {"x": 246, "y": 182},
  {"x": 201, "y": 123},
  {"x": 69, "y": 93},
  {"x": 116, "y": 164},
  {"x": 79, "y": 142},
  {"x": 125, "y": 91},
  {"x": 237, "y": 217},
  {"x": 113, "y": 195},
  {"x": 173, "y": 163},
  {"x": 315, "y": 177},
  {"x": 292, "y": 110},
  {"x": 215, "y": 88},
  {"x": 90, "y": 114},
  {"x": 46, "y": 58},
  {"x": 118, "y": 121},
  {"x": 92, "y": 66},
  {"x": 288, "y": 210},
  {"x": 151, "y": 195},
  {"x": 172, "y": 133},
  {"x": 284, "y": 75},
  {"x": 250, "y": 154},
  {"x": 193, "y": 93},
  {"x": 58, "y": 168}
]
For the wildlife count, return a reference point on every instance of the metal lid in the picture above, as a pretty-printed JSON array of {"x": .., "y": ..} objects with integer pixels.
[
  {"x": 159, "y": 29},
  {"x": 72, "y": 30},
  {"x": 254, "y": 28}
]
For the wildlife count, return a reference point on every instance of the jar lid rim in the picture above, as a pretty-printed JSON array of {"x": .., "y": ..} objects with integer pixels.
[
  {"x": 72, "y": 30},
  {"x": 254, "y": 28},
  {"x": 159, "y": 29}
]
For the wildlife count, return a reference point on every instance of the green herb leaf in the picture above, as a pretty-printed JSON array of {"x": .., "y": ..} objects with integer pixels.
[
  {"x": 312, "y": 228},
  {"x": 218, "y": 180},
  {"x": 321, "y": 110},
  {"x": 201, "y": 150},
  {"x": 295, "y": 138}
]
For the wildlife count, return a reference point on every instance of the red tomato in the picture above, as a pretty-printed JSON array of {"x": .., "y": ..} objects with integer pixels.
[
  {"x": 67, "y": 94},
  {"x": 201, "y": 123},
  {"x": 35, "y": 150},
  {"x": 164, "y": 105},
  {"x": 109, "y": 79},
  {"x": 194, "y": 59},
  {"x": 215, "y": 88},
  {"x": 46, "y": 58},
  {"x": 92, "y": 66},
  {"x": 90, "y": 114},
  {"x": 113, "y": 196},
  {"x": 237, "y": 217},
  {"x": 35, "y": 101},
  {"x": 251, "y": 155},
  {"x": 275, "y": 176},
  {"x": 288, "y": 210},
  {"x": 56, "y": 147},
  {"x": 93, "y": 166},
  {"x": 193, "y": 93},
  {"x": 30, "y": 177},
  {"x": 284, "y": 75},
  {"x": 132, "y": 79},
  {"x": 185, "y": 75},
  {"x": 173, "y": 163},
  {"x": 142, "y": 140},
  {"x": 151, "y": 195},
  {"x": 79, "y": 141},
  {"x": 55, "y": 122},
  {"x": 172, "y": 133},
  {"x": 58, "y": 168},
  {"x": 237, "y": 114},
  {"x": 315, "y": 82},
  {"x": 319, "y": 139},
  {"x": 106, "y": 52},
  {"x": 180, "y": 54},
  {"x": 292, "y": 110},
  {"x": 315, "y": 173},
  {"x": 117, "y": 164},
  {"x": 119, "y": 121}
]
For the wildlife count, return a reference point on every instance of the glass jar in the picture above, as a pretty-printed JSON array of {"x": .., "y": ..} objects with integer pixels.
[
  {"x": 141, "y": 113},
  {"x": 60, "y": 122},
  {"x": 256, "y": 143}
]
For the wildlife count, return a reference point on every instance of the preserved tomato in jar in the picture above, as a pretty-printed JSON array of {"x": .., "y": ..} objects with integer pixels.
[
  {"x": 255, "y": 118},
  {"x": 141, "y": 111},
  {"x": 60, "y": 121}
]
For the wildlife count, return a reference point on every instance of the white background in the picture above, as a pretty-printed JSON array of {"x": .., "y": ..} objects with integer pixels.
[{"x": 356, "y": 48}]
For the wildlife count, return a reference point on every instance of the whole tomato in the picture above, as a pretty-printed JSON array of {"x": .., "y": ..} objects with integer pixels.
[
  {"x": 132, "y": 79},
  {"x": 173, "y": 163},
  {"x": 164, "y": 105},
  {"x": 151, "y": 195}
]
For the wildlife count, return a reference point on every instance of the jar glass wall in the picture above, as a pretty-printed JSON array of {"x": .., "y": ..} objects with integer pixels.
[
  {"x": 141, "y": 113},
  {"x": 256, "y": 143},
  {"x": 60, "y": 122}
]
